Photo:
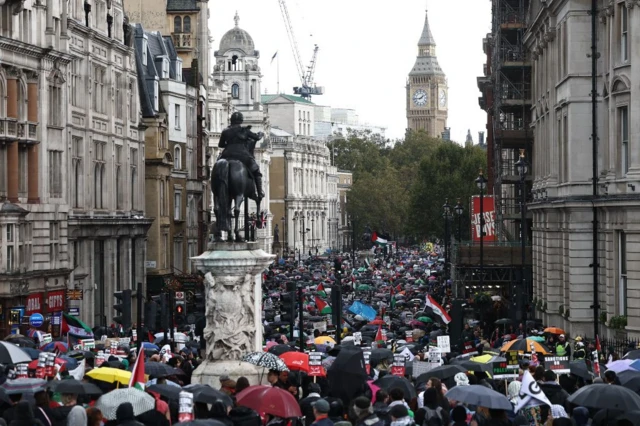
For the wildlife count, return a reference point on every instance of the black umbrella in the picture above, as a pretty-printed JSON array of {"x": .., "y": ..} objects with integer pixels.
[
  {"x": 479, "y": 395},
  {"x": 79, "y": 355},
  {"x": 168, "y": 391},
  {"x": 158, "y": 369},
  {"x": 379, "y": 355},
  {"x": 579, "y": 368},
  {"x": 202, "y": 422},
  {"x": 20, "y": 340},
  {"x": 208, "y": 395},
  {"x": 73, "y": 386},
  {"x": 278, "y": 350},
  {"x": 635, "y": 354},
  {"x": 604, "y": 396},
  {"x": 347, "y": 375},
  {"x": 12, "y": 354},
  {"x": 630, "y": 379},
  {"x": 442, "y": 373},
  {"x": 389, "y": 382},
  {"x": 503, "y": 321}
]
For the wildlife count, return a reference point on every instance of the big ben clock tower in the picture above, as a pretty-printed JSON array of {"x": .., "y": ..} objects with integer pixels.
[{"x": 427, "y": 95}]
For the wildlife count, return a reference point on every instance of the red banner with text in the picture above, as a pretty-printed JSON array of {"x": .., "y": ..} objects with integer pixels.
[
  {"x": 55, "y": 300},
  {"x": 489, "y": 214}
]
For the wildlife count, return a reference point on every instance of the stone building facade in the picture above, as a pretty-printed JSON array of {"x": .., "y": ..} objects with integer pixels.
[
  {"x": 70, "y": 161},
  {"x": 559, "y": 40},
  {"x": 105, "y": 147}
]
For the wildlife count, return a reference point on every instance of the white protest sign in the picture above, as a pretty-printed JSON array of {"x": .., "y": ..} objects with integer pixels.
[
  {"x": 45, "y": 338},
  {"x": 88, "y": 344},
  {"x": 435, "y": 356},
  {"x": 320, "y": 326},
  {"x": 357, "y": 338},
  {"x": 407, "y": 355},
  {"x": 444, "y": 344}
]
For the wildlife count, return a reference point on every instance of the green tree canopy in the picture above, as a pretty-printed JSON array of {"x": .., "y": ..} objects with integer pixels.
[{"x": 400, "y": 187}]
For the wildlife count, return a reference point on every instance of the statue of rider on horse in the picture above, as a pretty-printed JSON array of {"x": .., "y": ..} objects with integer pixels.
[{"x": 236, "y": 177}]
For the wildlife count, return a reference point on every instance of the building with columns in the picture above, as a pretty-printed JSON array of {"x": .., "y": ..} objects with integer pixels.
[
  {"x": 559, "y": 38},
  {"x": 237, "y": 70},
  {"x": 105, "y": 150},
  {"x": 304, "y": 184},
  {"x": 70, "y": 217}
]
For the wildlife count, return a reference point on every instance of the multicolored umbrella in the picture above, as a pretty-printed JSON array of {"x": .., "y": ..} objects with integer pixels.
[
  {"x": 522, "y": 345},
  {"x": 266, "y": 360},
  {"x": 20, "y": 386}
]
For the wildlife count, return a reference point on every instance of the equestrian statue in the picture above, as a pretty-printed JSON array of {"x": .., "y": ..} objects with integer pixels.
[{"x": 236, "y": 177}]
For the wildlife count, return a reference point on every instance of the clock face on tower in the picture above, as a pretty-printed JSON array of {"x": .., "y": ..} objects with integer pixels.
[
  {"x": 420, "y": 97},
  {"x": 442, "y": 98}
]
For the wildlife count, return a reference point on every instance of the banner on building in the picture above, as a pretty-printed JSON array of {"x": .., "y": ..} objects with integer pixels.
[{"x": 489, "y": 214}]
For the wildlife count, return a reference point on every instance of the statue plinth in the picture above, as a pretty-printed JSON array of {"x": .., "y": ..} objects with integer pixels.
[{"x": 233, "y": 297}]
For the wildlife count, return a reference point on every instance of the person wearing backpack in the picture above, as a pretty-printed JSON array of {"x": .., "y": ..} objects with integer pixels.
[{"x": 432, "y": 413}]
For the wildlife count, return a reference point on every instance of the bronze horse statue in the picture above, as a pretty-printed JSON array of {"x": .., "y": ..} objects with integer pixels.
[{"x": 232, "y": 183}]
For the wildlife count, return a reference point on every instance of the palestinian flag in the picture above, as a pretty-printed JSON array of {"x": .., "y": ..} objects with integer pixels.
[
  {"x": 322, "y": 306},
  {"x": 379, "y": 338},
  {"x": 320, "y": 290},
  {"x": 377, "y": 240},
  {"x": 392, "y": 302},
  {"x": 75, "y": 328},
  {"x": 438, "y": 310},
  {"x": 137, "y": 374}
]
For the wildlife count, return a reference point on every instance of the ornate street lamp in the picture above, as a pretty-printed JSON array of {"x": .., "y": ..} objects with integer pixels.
[{"x": 459, "y": 209}]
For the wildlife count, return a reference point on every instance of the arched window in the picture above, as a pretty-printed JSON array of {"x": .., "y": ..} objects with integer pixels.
[
  {"x": 187, "y": 24},
  {"x": 177, "y": 158},
  {"x": 235, "y": 91},
  {"x": 177, "y": 24}
]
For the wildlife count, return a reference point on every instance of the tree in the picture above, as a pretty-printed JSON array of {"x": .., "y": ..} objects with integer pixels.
[{"x": 448, "y": 174}]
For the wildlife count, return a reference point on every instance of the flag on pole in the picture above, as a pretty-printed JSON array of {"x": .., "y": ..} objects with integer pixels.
[
  {"x": 379, "y": 338},
  {"x": 438, "y": 310},
  {"x": 137, "y": 375},
  {"x": 377, "y": 240},
  {"x": 73, "y": 326},
  {"x": 530, "y": 393},
  {"x": 274, "y": 56},
  {"x": 320, "y": 290},
  {"x": 320, "y": 304}
]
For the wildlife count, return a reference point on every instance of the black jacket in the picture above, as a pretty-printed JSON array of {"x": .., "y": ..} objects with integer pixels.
[
  {"x": 381, "y": 410},
  {"x": 307, "y": 409}
]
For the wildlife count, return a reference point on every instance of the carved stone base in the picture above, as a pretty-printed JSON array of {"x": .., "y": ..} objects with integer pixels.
[
  {"x": 233, "y": 296},
  {"x": 209, "y": 373}
]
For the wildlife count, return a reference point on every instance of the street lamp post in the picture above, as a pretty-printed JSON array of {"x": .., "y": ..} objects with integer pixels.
[
  {"x": 313, "y": 233},
  {"x": 481, "y": 182},
  {"x": 446, "y": 215},
  {"x": 303, "y": 232},
  {"x": 523, "y": 168},
  {"x": 459, "y": 212},
  {"x": 295, "y": 220},
  {"x": 284, "y": 234}
]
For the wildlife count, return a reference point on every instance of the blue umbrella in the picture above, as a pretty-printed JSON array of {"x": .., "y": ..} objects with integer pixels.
[
  {"x": 33, "y": 353},
  {"x": 149, "y": 345},
  {"x": 71, "y": 364}
]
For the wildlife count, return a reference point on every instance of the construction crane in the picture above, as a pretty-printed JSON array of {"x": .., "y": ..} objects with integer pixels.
[{"x": 308, "y": 87}]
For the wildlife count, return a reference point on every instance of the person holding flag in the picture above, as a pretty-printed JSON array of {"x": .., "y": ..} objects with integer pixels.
[{"x": 137, "y": 374}]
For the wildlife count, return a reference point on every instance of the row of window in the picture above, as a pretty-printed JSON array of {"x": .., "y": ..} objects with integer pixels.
[
  {"x": 182, "y": 25},
  {"x": 235, "y": 90}
]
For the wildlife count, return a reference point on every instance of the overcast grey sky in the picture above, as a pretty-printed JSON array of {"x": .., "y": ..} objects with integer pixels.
[{"x": 367, "y": 48}]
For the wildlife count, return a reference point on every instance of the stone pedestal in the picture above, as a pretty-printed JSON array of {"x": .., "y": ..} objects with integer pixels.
[{"x": 233, "y": 295}]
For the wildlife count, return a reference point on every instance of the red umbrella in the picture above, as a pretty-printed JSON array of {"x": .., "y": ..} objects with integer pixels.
[
  {"x": 34, "y": 364},
  {"x": 296, "y": 361},
  {"x": 268, "y": 400},
  {"x": 377, "y": 321}
]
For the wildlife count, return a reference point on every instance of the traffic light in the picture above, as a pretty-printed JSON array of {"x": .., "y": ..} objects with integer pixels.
[
  {"x": 180, "y": 316},
  {"x": 123, "y": 308},
  {"x": 151, "y": 314},
  {"x": 161, "y": 301},
  {"x": 288, "y": 302}
]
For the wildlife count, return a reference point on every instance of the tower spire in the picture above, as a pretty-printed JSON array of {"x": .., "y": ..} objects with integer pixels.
[
  {"x": 426, "y": 39},
  {"x": 236, "y": 18}
]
